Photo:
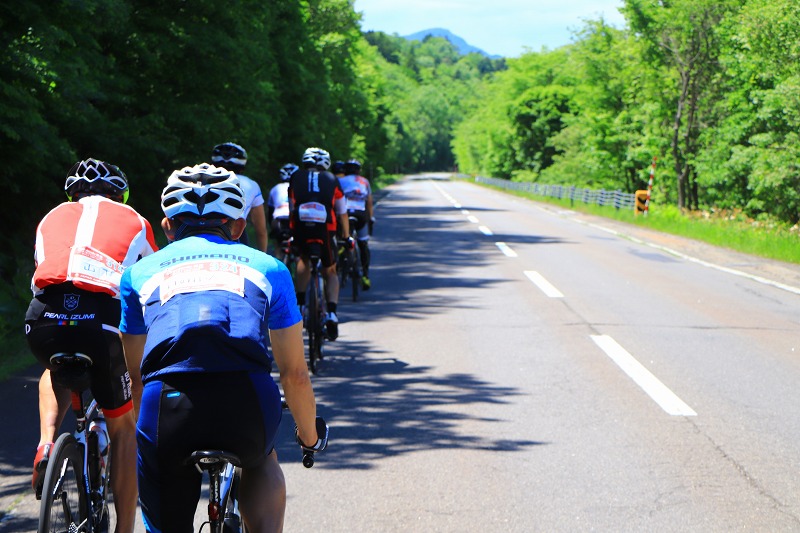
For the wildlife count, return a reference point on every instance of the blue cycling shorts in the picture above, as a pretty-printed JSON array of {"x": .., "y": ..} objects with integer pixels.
[{"x": 237, "y": 412}]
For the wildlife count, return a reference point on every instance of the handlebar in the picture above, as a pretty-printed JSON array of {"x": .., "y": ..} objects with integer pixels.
[{"x": 322, "y": 438}]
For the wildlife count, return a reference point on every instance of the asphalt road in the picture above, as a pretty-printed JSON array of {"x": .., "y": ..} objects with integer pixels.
[{"x": 521, "y": 368}]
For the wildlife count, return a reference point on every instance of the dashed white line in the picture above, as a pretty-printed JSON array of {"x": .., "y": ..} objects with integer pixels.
[
  {"x": 659, "y": 392},
  {"x": 545, "y": 286},
  {"x": 485, "y": 230},
  {"x": 473, "y": 219},
  {"x": 506, "y": 249}
]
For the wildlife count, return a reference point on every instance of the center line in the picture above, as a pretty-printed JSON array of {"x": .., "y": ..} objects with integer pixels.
[
  {"x": 506, "y": 249},
  {"x": 659, "y": 392},
  {"x": 485, "y": 230},
  {"x": 545, "y": 286}
]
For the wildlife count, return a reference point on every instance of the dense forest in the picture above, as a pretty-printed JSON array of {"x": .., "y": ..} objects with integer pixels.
[{"x": 709, "y": 88}]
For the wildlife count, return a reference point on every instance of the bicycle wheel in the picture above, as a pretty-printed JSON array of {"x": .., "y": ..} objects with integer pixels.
[
  {"x": 313, "y": 325},
  {"x": 64, "y": 500},
  {"x": 355, "y": 272}
]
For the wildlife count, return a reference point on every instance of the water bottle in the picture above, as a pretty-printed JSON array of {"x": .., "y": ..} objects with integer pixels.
[{"x": 98, "y": 429}]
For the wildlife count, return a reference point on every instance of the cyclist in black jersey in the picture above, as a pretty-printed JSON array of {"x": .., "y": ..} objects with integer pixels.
[{"x": 318, "y": 210}]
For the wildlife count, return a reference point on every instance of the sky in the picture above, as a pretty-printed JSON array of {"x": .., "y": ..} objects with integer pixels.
[{"x": 503, "y": 27}]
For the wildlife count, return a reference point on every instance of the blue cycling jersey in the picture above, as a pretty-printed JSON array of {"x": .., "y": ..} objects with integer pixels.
[{"x": 205, "y": 304}]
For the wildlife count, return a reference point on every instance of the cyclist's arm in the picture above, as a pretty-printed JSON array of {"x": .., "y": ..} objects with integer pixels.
[
  {"x": 258, "y": 218},
  {"x": 369, "y": 207},
  {"x": 134, "y": 350},
  {"x": 288, "y": 351}
]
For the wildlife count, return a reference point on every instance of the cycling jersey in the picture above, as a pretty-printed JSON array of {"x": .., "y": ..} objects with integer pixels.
[
  {"x": 252, "y": 194},
  {"x": 316, "y": 198},
  {"x": 205, "y": 304},
  {"x": 357, "y": 190},
  {"x": 278, "y": 202},
  {"x": 90, "y": 242}
]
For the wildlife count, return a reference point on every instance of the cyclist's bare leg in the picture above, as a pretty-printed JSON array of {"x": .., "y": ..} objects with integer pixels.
[
  {"x": 331, "y": 284},
  {"x": 54, "y": 402},
  {"x": 122, "y": 433},
  {"x": 263, "y": 496},
  {"x": 302, "y": 276}
]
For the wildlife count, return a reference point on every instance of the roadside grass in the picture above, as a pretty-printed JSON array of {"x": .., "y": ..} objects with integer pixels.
[{"x": 730, "y": 230}]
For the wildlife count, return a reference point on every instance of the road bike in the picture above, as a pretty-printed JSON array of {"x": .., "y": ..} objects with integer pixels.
[
  {"x": 315, "y": 311},
  {"x": 75, "y": 490},
  {"x": 349, "y": 263},
  {"x": 224, "y": 480}
]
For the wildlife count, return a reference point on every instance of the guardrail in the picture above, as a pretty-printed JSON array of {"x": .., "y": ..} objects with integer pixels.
[{"x": 616, "y": 198}]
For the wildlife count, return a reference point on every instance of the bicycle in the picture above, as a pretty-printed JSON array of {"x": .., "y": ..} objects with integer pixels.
[
  {"x": 349, "y": 263},
  {"x": 75, "y": 490},
  {"x": 315, "y": 311},
  {"x": 224, "y": 480}
]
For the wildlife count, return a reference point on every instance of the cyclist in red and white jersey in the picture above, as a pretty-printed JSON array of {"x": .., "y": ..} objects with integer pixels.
[
  {"x": 233, "y": 157},
  {"x": 318, "y": 209},
  {"x": 358, "y": 192},
  {"x": 278, "y": 208},
  {"x": 82, "y": 248}
]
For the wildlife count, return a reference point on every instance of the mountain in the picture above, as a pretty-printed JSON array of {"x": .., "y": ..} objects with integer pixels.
[{"x": 462, "y": 45}]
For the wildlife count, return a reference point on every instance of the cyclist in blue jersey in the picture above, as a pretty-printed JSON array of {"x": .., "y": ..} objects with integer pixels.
[{"x": 197, "y": 318}]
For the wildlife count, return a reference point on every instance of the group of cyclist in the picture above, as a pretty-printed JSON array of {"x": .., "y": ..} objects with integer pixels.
[{"x": 178, "y": 337}]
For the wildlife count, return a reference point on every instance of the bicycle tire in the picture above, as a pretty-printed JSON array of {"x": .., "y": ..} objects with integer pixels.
[
  {"x": 355, "y": 273},
  {"x": 64, "y": 499},
  {"x": 313, "y": 325}
]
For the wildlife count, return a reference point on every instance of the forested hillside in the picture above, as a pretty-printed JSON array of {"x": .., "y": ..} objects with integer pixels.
[{"x": 710, "y": 88}]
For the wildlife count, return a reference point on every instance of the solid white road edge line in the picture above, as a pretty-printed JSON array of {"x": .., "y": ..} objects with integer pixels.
[{"x": 659, "y": 392}]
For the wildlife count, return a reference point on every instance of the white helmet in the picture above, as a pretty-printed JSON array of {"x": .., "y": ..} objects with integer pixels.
[
  {"x": 287, "y": 170},
  {"x": 203, "y": 190},
  {"x": 317, "y": 157}
]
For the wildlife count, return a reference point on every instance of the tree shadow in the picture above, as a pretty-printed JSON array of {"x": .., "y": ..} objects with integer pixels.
[{"x": 379, "y": 407}]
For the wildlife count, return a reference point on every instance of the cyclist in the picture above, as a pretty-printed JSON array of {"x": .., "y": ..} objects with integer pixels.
[
  {"x": 233, "y": 157},
  {"x": 82, "y": 246},
  {"x": 317, "y": 201},
  {"x": 195, "y": 320},
  {"x": 278, "y": 208},
  {"x": 358, "y": 192},
  {"x": 337, "y": 169}
]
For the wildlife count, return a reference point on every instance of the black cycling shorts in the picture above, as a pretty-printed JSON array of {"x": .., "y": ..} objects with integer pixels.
[
  {"x": 67, "y": 319},
  {"x": 315, "y": 240},
  {"x": 237, "y": 412}
]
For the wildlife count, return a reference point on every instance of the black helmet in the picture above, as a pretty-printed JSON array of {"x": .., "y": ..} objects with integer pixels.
[
  {"x": 93, "y": 176},
  {"x": 353, "y": 166},
  {"x": 230, "y": 156},
  {"x": 338, "y": 167}
]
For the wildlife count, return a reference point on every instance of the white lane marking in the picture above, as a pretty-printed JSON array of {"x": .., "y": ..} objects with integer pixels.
[
  {"x": 506, "y": 249},
  {"x": 485, "y": 230},
  {"x": 464, "y": 212},
  {"x": 472, "y": 219},
  {"x": 659, "y": 392},
  {"x": 545, "y": 286},
  {"x": 759, "y": 279},
  {"x": 456, "y": 204}
]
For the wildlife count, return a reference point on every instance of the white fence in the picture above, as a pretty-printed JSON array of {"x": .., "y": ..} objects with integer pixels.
[{"x": 616, "y": 198}]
